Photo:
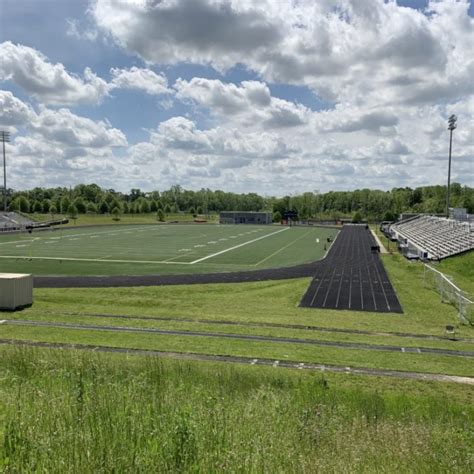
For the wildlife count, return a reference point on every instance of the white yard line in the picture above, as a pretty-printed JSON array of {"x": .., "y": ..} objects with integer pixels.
[
  {"x": 70, "y": 259},
  {"x": 238, "y": 246},
  {"x": 67, "y": 236},
  {"x": 282, "y": 248}
]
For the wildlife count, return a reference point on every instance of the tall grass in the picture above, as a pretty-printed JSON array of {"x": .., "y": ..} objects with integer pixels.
[{"x": 81, "y": 412}]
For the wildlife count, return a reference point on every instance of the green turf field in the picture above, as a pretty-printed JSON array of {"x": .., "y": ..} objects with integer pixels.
[{"x": 163, "y": 249}]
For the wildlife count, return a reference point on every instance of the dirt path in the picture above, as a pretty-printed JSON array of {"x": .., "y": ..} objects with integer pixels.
[{"x": 254, "y": 362}]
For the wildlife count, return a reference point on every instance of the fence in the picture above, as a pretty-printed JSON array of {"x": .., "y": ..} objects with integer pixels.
[{"x": 450, "y": 293}]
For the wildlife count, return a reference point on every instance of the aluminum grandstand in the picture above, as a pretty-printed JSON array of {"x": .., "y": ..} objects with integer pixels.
[
  {"x": 431, "y": 238},
  {"x": 11, "y": 221}
]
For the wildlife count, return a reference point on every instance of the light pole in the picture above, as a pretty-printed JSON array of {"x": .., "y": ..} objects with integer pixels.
[
  {"x": 4, "y": 137},
  {"x": 451, "y": 126}
]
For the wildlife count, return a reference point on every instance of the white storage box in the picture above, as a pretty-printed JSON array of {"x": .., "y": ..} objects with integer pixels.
[{"x": 16, "y": 290}]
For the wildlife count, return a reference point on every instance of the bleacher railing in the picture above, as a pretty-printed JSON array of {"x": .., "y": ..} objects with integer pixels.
[{"x": 450, "y": 293}]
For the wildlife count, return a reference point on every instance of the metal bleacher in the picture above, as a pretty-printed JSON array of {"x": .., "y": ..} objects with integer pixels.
[
  {"x": 435, "y": 238},
  {"x": 12, "y": 221}
]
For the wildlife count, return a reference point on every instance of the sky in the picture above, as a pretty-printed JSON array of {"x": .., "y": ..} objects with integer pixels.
[{"x": 274, "y": 97}]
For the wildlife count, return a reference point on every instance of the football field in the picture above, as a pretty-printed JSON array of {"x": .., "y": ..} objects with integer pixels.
[{"x": 161, "y": 249}]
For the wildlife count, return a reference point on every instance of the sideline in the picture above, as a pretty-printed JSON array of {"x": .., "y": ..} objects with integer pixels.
[{"x": 287, "y": 364}]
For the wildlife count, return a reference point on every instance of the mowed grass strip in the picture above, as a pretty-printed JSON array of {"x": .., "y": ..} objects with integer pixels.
[
  {"x": 241, "y": 329},
  {"x": 108, "y": 412},
  {"x": 161, "y": 249},
  {"x": 429, "y": 363}
]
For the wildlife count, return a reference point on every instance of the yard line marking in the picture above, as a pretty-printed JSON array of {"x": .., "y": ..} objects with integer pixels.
[
  {"x": 283, "y": 248},
  {"x": 66, "y": 236},
  {"x": 237, "y": 246},
  {"x": 70, "y": 259},
  {"x": 23, "y": 245},
  {"x": 50, "y": 242}
]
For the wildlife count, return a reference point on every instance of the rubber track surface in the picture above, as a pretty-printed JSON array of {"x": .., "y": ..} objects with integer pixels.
[
  {"x": 352, "y": 276},
  {"x": 247, "y": 337},
  {"x": 249, "y": 361},
  {"x": 286, "y": 273}
]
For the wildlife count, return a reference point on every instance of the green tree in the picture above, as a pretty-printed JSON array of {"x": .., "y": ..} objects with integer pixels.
[
  {"x": 144, "y": 206},
  {"x": 91, "y": 207},
  {"x": 167, "y": 209},
  {"x": 115, "y": 214},
  {"x": 160, "y": 215},
  {"x": 37, "y": 207},
  {"x": 80, "y": 205},
  {"x": 276, "y": 216},
  {"x": 64, "y": 204},
  {"x": 53, "y": 210},
  {"x": 72, "y": 211},
  {"x": 153, "y": 206},
  {"x": 357, "y": 218},
  {"x": 21, "y": 204},
  {"x": 103, "y": 207},
  {"x": 46, "y": 205}
]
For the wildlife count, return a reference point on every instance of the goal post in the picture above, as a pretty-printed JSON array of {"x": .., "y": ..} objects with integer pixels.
[{"x": 449, "y": 293}]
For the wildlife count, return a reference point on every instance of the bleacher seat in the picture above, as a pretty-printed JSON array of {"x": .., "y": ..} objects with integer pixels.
[
  {"x": 435, "y": 237},
  {"x": 10, "y": 221}
]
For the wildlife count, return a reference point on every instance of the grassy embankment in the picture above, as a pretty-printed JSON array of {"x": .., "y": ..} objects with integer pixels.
[
  {"x": 265, "y": 302},
  {"x": 67, "y": 411},
  {"x": 64, "y": 410}
]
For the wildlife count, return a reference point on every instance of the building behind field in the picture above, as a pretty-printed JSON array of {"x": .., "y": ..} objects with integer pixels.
[{"x": 241, "y": 217}]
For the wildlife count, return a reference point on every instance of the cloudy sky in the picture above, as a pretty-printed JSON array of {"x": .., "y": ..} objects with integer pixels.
[{"x": 264, "y": 96}]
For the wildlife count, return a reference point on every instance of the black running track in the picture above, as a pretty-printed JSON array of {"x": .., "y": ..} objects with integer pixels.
[{"x": 352, "y": 276}]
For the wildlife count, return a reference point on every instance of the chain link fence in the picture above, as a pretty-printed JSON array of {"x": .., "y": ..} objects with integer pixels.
[{"x": 450, "y": 293}]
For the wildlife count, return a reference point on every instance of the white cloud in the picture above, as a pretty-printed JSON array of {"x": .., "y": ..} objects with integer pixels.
[
  {"x": 140, "y": 79},
  {"x": 250, "y": 102},
  {"x": 13, "y": 112},
  {"x": 48, "y": 83},
  {"x": 343, "y": 50},
  {"x": 56, "y": 144},
  {"x": 71, "y": 130}
]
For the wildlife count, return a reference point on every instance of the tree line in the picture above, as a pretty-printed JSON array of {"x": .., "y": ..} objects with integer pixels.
[{"x": 368, "y": 204}]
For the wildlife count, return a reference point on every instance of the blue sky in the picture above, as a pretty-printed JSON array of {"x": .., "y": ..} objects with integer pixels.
[{"x": 245, "y": 96}]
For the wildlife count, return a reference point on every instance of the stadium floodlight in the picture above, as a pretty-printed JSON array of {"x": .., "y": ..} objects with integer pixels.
[
  {"x": 451, "y": 126},
  {"x": 4, "y": 137}
]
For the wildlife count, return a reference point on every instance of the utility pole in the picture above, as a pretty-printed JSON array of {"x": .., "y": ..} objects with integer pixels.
[
  {"x": 451, "y": 126},
  {"x": 4, "y": 137}
]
